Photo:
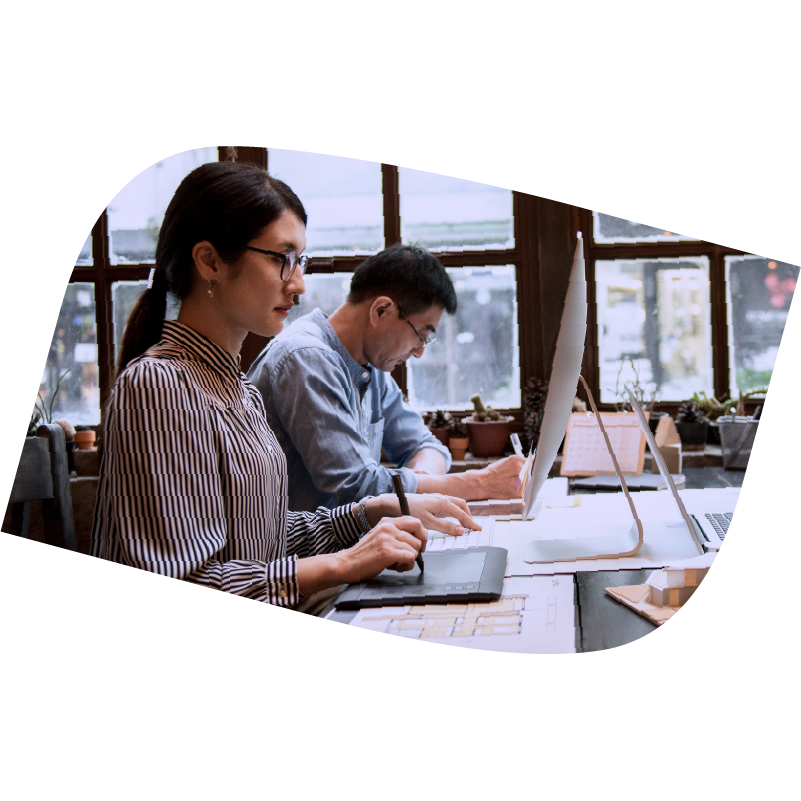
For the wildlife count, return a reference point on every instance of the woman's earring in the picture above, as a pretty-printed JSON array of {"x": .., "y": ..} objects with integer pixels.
[{"x": 212, "y": 284}]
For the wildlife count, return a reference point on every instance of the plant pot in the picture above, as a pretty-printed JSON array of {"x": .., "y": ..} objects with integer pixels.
[
  {"x": 441, "y": 434},
  {"x": 713, "y": 433},
  {"x": 87, "y": 462},
  {"x": 488, "y": 439},
  {"x": 693, "y": 435},
  {"x": 84, "y": 440},
  {"x": 457, "y": 447}
]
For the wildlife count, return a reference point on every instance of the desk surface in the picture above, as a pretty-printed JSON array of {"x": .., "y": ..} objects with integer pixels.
[{"x": 602, "y": 622}]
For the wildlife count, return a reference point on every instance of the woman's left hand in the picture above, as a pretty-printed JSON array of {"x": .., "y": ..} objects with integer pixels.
[{"x": 429, "y": 509}]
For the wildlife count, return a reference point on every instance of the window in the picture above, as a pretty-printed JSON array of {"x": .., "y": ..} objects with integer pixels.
[
  {"x": 342, "y": 198},
  {"x": 447, "y": 214},
  {"x": 681, "y": 314},
  {"x": 687, "y": 315},
  {"x": 654, "y": 324},
  {"x": 71, "y": 365},
  {"x": 759, "y": 292},
  {"x": 110, "y": 273},
  {"x": 136, "y": 212},
  {"x": 476, "y": 349}
]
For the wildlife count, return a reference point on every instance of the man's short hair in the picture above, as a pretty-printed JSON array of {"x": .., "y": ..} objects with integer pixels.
[{"x": 408, "y": 274}]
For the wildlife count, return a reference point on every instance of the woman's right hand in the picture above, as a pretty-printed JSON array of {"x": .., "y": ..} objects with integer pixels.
[{"x": 394, "y": 543}]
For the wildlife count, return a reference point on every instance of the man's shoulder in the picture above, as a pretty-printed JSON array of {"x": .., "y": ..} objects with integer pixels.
[{"x": 302, "y": 344}]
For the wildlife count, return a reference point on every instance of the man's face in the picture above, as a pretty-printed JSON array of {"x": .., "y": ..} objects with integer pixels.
[{"x": 395, "y": 340}]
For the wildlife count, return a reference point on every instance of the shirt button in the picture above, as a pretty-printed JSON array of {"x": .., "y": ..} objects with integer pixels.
[
  {"x": 365, "y": 374},
  {"x": 282, "y": 593}
]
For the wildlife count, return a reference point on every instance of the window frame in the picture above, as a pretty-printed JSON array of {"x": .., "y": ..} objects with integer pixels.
[{"x": 544, "y": 235}]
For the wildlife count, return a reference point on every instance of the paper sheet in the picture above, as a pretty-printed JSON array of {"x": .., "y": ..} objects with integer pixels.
[{"x": 534, "y": 615}]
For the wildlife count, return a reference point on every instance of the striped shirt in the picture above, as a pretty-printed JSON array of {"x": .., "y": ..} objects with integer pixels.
[{"x": 193, "y": 483}]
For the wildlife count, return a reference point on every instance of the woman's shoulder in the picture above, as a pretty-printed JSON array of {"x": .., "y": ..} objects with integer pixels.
[{"x": 153, "y": 369}]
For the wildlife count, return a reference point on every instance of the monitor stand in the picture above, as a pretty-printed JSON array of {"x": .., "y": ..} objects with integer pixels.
[{"x": 611, "y": 545}]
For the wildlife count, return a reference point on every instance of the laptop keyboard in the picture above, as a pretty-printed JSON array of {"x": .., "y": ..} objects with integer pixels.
[
  {"x": 719, "y": 522},
  {"x": 437, "y": 541}
]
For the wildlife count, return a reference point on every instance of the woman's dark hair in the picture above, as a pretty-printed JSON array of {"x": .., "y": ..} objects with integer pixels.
[
  {"x": 409, "y": 274},
  {"x": 226, "y": 203}
]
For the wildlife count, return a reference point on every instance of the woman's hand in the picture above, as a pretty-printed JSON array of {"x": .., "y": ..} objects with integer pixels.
[
  {"x": 429, "y": 509},
  {"x": 393, "y": 543}
]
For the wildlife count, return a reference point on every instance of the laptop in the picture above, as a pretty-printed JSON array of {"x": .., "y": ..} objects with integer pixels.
[
  {"x": 706, "y": 529},
  {"x": 709, "y": 525}
]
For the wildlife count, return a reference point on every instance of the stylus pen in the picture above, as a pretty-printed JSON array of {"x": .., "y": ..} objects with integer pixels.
[{"x": 404, "y": 506}]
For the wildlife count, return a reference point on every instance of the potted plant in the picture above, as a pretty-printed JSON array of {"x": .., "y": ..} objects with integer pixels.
[
  {"x": 535, "y": 394},
  {"x": 438, "y": 425},
  {"x": 487, "y": 429},
  {"x": 457, "y": 439},
  {"x": 692, "y": 426},
  {"x": 714, "y": 409}
]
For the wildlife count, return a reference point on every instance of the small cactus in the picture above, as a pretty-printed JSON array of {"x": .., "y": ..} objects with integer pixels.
[
  {"x": 457, "y": 429},
  {"x": 440, "y": 419},
  {"x": 690, "y": 412},
  {"x": 481, "y": 413}
]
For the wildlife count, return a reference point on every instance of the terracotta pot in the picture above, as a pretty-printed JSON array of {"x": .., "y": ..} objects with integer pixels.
[
  {"x": 458, "y": 447},
  {"x": 84, "y": 440},
  {"x": 87, "y": 462},
  {"x": 488, "y": 439},
  {"x": 441, "y": 434}
]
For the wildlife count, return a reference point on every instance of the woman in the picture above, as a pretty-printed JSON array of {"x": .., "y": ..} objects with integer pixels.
[{"x": 193, "y": 483}]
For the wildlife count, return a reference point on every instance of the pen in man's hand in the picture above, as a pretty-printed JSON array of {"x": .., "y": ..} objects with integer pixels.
[{"x": 404, "y": 507}]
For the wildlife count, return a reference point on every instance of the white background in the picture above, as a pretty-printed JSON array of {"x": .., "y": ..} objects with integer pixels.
[{"x": 119, "y": 684}]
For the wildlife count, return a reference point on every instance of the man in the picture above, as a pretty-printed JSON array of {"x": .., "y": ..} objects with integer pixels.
[{"x": 331, "y": 401}]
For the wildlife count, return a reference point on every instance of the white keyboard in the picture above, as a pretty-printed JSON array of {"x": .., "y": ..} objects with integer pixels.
[{"x": 437, "y": 541}]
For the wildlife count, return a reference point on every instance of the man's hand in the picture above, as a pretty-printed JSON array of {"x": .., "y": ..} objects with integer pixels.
[{"x": 498, "y": 480}]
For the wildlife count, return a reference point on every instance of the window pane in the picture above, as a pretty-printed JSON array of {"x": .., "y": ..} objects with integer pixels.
[
  {"x": 74, "y": 348},
  {"x": 342, "y": 198},
  {"x": 759, "y": 294},
  {"x": 614, "y": 229},
  {"x": 442, "y": 213},
  {"x": 136, "y": 213},
  {"x": 85, "y": 256},
  {"x": 327, "y": 292},
  {"x": 124, "y": 296},
  {"x": 476, "y": 349},
  {"x": 656, "y": 313}
]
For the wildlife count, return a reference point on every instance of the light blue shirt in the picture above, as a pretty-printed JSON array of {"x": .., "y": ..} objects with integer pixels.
[{"x": 331, "y": 416}]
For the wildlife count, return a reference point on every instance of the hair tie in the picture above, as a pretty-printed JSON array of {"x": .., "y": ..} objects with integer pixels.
[{"x": 150, "y": 278}]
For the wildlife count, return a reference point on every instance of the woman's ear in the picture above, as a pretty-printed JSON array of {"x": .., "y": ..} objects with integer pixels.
[{"x": 207, "y": 261}]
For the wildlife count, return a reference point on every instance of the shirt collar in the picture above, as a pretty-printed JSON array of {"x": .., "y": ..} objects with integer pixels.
[
  {"x": 360, "y": 373},
  {"x": 199, "y": 348}
]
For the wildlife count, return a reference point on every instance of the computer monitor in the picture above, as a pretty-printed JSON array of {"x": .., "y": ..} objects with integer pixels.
[
  {"x": 565, "y": 372},
  {"x": 611, "y": 538}
]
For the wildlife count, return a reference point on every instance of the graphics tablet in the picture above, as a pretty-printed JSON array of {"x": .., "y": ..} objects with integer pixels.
[{"x": 470, "y": 574}]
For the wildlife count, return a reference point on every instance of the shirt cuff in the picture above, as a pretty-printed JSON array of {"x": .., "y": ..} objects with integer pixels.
[
  {"x": 281, "y": 578},
  {"x": 346, "y": 528}
]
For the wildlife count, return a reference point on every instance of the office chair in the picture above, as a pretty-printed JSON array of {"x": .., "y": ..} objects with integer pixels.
[{"x": 43, "y": 475}]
